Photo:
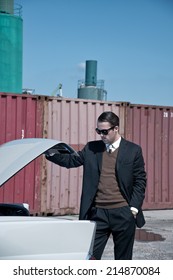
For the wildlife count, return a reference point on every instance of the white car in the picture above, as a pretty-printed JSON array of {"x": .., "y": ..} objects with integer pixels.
[{"x": 25, "y": 237}]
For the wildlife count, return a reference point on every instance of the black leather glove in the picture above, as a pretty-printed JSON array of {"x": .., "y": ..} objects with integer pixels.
[{"x": 51, "y": 152}]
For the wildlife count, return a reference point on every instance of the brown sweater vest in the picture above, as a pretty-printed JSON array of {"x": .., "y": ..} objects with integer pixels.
[{"x": 108, "y": 195}]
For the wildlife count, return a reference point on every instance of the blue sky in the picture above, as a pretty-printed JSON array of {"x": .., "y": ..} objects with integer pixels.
[{"x": 132, "y": 41}]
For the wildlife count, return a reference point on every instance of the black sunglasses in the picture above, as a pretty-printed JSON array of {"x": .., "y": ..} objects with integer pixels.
[{"x": 104, "y": 131}]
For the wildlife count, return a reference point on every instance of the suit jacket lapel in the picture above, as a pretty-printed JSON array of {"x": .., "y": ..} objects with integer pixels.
[
  {"x": 121, "y": 152},
  {"x": 99, "y": 155}
]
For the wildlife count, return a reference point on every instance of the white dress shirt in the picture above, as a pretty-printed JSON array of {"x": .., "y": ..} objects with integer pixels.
[{"x": 113, "y": 146}]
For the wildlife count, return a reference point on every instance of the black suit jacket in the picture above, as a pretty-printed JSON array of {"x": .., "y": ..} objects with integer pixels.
[{"x": 129, "y": 170}]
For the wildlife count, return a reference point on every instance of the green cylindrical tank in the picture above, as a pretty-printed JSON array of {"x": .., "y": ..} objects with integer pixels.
[
  {"x": 11, "y": 32},
  {"x": 92, "y": 93},
  {"x": 91, "y": 73},
  {"x": 88, "y": 93},
  {"x": 7, "y": 6}
]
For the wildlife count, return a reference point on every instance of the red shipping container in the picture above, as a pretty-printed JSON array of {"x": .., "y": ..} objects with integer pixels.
[
  {"x": 21, "y": 116},
  {"x": 72, "y": 121},
  {"x": 152, "y": 128}
]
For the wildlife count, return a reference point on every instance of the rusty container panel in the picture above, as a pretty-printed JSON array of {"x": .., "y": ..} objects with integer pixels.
[
  {"x": 21, "y": 116},
  {"x": 72, "y": 121},
  {"x": 152, "y": 128}
]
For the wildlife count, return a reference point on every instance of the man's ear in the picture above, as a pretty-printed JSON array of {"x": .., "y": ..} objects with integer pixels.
[{"x": 116, "y": 128}]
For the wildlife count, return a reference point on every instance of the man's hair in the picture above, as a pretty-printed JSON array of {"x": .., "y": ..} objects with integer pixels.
[{"x": 110, "y": 117}]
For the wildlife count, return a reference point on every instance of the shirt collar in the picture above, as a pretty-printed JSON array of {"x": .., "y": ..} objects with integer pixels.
[{"x": 115, "y": 144}]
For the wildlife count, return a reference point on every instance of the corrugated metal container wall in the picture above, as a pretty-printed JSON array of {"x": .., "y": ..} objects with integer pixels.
[
  {"x": 22, "y": 116},
  {"x": 72, "y": 121},
  {"x": 152, "y": 128}
]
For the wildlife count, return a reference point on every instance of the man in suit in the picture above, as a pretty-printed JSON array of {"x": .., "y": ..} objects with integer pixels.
[{"x": 114, "y": 182}]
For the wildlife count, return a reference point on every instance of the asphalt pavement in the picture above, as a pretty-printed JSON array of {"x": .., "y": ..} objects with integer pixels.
[{"x": 154, "y": 241}]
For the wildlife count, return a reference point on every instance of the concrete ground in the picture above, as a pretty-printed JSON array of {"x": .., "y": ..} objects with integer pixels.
[{"x": 154, "y": 241}]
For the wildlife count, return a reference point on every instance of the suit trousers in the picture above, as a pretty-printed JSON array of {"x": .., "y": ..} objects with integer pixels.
[{"x": 119, "y": 222}]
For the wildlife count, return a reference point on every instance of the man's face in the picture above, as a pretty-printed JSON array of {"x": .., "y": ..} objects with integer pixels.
[{"x": 112, "y": 133}]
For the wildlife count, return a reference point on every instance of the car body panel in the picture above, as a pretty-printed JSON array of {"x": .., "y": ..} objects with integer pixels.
[
  {"x": 25, "y": 237},
  {"x": 16, "y": 154},
  {"x": 45, "y": 238}
]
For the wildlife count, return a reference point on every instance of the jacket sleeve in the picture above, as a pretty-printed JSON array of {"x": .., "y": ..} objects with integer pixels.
[
  {"x": 139, "y": 180},
  {"x": 67, "y": 160}
]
